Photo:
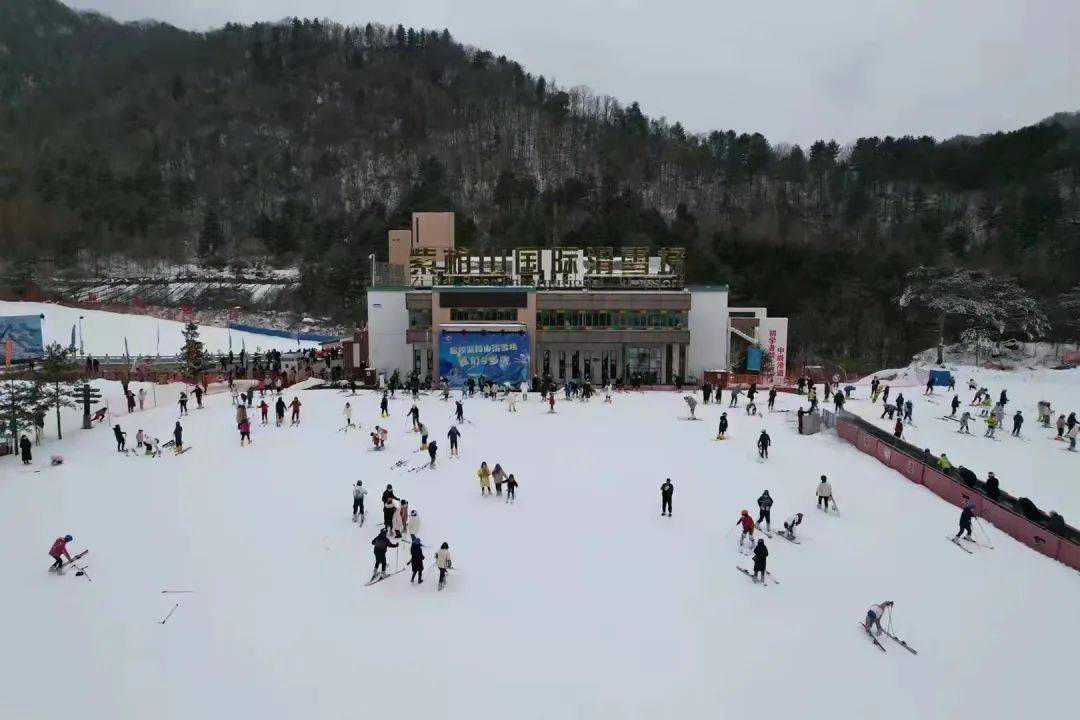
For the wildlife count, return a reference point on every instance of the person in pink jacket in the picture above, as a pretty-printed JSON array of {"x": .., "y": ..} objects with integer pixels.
[
  {"x": 58, "y": 552},
  {"x": 245, "y": 431}
]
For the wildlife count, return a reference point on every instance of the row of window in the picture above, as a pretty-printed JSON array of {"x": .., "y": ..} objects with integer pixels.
[
  {"x": 565, "y": 319},
  {"x": 613, "y": 319}
]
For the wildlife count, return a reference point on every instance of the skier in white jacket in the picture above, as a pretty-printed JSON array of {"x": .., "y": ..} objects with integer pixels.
[
  {"x": 511, "y": 401},
  {"x": 358, "y": 494},
  {"x": 347, "y": 412},
  {"x": 414, "y": 523},
  {"x": 442, "y": 561}
]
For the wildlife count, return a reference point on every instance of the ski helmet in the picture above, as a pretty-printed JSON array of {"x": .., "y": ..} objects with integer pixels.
[{"x": 68, "y": 538}]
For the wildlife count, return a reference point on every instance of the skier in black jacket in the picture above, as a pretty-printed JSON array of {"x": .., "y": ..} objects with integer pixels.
[
  {"x": 416, "y": 560},
  {"x": 1018, "y": 420},
  {"x": 279, "y": 411},
  {"x": 761, "y": 553},
  {"x": 388, "y": 506},
  {"x": 772, "y": 397},
  {"x": 120, "y": 435},
  {"x": 955, "y": 405},
  {"x": 965, "y": 520},
  {"x": 763, "y": 443},
  {"x": 381, "y": 543},
  {"x": 414, "y": 413},
  {"x": 178, "y": 438},
  {"x": 721, "y": 430},
  {"x": 433, "y": 450},
  {"x": 383, "y": 405},
  {"x": 764, "y": 504},
  {"x": 459, "y": 412},
  {"x": 454, "y": 434},
  {"x": 667, "y": 490}
]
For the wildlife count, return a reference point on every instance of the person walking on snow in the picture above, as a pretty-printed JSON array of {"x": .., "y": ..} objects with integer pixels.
[
  {"x": 245, "y": 431},
  {"x": 58, "y": 552},
  {"x": 898, "y": 429},
  {"x": 929, "y": 386},
  {"x": 691, "y": 403},
  {"x": 667, "y": 490},
  {"x": 791, "y": 523},
  {"x": 198, "y": 392},
  {"x": 384, "y": 405},
  {"x": 358, "y": 494},
  {"x": 279, "y": 411},
  {"x": 721, "y": 430},
  {"x": 459, "y": 412},
  {"x": 991, "y": 426},
  {"x": 1018, "y": 420},
  {"x": 485, "y": 479},
  {"x": 551, "y": 402},
  {"x": 412, "y": 525},
  {"x": 183, "y": 403},
  {"x": 453, "y": 434},
  {"x": 443, "y": 562},
  {"x": 140, "y": 438},
  {"x": 907, "y": 412},
  {"x": 498, "y": 476},
  {"x": 416, "y": 560},
  {"x": 765, "y": 504},
  {"x": 965, "y": 521},
  {"x": 142, "y": 398},
  {"x": 120, "y": 438},
  {"x": 734, "y": 397},
  {"x": 1072, "y": 437},
  {"x": 295, "y": 405},
  {"x": 24, "y": 449},
  {"x": 414, "y": 413},
  {"x": 511, "y": 489},
  {"x": 511, "y": 402},
  {"x": 761, "y": 554},
  {"x": 348, "y": 416},
  {"x": 433, "y": 450},
  {"x": 399, "y": 517},
  {"x": 423, "y": 436},
  {"x": 824, "y": 493},
  {"x": 263, "y": 410},
  {"x": 955, "y": 405},
  {"x": 380, "y": 544},
  {"x": 747, "y": 523},
  {"x": 763, "y": 443},
  {"x": 772, "y": 397},
  {"x": 874, "y": 615}
]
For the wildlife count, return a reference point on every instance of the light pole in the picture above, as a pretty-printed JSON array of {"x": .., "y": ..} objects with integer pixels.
[
  {"x": 371, "y": 257},
  {"x": 81, "y": 351}
]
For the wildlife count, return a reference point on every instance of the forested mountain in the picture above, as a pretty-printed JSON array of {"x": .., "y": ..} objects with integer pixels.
[{"x": 302, "y": 141}]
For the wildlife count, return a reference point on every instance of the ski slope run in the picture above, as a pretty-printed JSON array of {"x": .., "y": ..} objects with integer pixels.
[
  {"x": 104, "y": 332},
  {"x": 578, "y": 600}
]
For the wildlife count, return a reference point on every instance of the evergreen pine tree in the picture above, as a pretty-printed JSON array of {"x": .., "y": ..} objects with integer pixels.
[
  {"x": 194, "y": 357},
  {"x": 53, "y": 383},
  {"x": 17, "y": 406}
]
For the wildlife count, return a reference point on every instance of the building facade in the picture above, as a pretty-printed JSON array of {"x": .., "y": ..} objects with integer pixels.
[{"x": 566, "y": 313}]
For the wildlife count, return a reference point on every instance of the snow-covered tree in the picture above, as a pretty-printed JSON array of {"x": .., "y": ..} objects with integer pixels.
[
  {"x": 995, "y": 305},
  {"x": 1070, "y": 306},
  {"x": 977, "y": 340},
  {"x": 18, "y": 404},
  {"x": 194, "y": 357}
]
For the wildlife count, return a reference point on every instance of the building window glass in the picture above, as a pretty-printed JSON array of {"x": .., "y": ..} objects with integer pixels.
[
  {"x": 575, "y": 366},
  {"x": 643, "y": 364},
  {"x": 547, "y": 363},
  {"x": 419, "y": 319},
  {"x": 562, "y": 364},
  {"x": 431, "y": 362},
  {"x": 481, "y": 315},
  {"x": 416, "y": 360}
]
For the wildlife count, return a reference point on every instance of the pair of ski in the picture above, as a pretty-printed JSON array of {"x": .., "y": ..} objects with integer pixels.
[
  {"x": 750, "y": 575},
  {"x": 379, "y": 577},
  {"x": 789, "y": 538},
  {"x": 889, "y": 635},
  {"x": 973, "y": 541}
]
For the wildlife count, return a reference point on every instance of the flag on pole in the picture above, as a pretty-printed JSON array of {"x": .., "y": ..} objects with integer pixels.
[
  {"x": 72, "y": 347},
  {"x": 158, "y": 353}
]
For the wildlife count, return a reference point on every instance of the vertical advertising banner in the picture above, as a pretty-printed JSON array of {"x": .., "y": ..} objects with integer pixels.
[
  {"x": 494, "y": 356},
  {"x": 22, "y": 333},
  {"x": 773, "y": 334}
]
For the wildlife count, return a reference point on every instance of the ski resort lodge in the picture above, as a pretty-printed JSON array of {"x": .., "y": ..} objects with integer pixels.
[{"x": 571, "y": 314}]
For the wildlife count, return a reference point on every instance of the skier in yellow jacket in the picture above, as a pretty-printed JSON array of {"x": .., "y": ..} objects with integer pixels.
[{"x": 485, "y": 479}]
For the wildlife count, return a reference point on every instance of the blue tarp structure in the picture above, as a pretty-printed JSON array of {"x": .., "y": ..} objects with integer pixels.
[
  {"x": 25, "y": 334},
  {"x": 941, "y": 377},
  {"x": 753, "y": 359}
]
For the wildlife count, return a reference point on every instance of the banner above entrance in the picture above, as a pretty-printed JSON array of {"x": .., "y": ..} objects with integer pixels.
[{"x": 500, "y": 357}]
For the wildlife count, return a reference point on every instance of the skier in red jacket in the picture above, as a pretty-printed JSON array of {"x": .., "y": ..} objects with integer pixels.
[
  {"x": 295, "y": 405},
  {"x": 58, "y": 552},
  {"x": 747, "y": 523},
  {"x": 551, "y": 402}
]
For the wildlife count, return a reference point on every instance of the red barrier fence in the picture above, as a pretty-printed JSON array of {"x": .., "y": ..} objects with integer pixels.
[{"x": 955, "y": 492}]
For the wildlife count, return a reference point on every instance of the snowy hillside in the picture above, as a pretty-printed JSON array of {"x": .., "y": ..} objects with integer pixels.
[
  {"x": 578, "y": 600},
  {"x": 1032, "y": 465},
  {"x": 104, "y": 332}
]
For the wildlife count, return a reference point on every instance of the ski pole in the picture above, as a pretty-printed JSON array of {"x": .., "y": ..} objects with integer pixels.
[{"x": 985, "y": 535}]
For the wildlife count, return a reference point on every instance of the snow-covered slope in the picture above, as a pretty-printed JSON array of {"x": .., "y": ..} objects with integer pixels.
[
  {"x": 1032, "y": 465},
  {"x": 104, "y": 332},
  {"x": 578, "y": 601}
]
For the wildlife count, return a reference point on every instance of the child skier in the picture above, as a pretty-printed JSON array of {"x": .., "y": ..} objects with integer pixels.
[
  {"x": 295, "y": 405},
  {"x": 991, "y": 426},
  {"x": 498, "y": 475},
  {"x": 413, "y": 523},
  {"x": 279, "y": 411},
  {"x": 747, "y": 523},
  {"x": 443, "y": 562},
  {"x": 263, "y": 410},
  {"x": 178, "y": 438},
  {"x": 384, "y": 406},
  {"x": 791, "y": 523},
  {"x": 120, "y": 438},
  {"x": 692, "y": 404},
  {"x": 772, "y": 397},
  {"x": 414, "y": 413},
  {"x": 955, "y": 405},
  {"x": 58, "y": 552},
  {"x": 245, "y": 431},
  {"x": 433, "y": 451},
  {"x": 459, "y": 412},
  {"x": 763, "y": 443},
  {"x": 358, "y": 494},
  {"x": 965, "y": 521},
  {"x": 964, "y": 420},
  {"x": 183, "y": 403},
  {"x": 551, "y": 402},
  {"x": 453, "y": 434},
  {"x": 423, "y": 436},
  {"x": 511, "y": 489},
  {"x": 667, "y": 490},
  {"x": 898, "y": 429},
  {"x": 348, "y": 416}
]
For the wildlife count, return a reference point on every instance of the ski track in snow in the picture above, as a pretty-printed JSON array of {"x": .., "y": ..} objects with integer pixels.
[{"x": 577, "y": 601}]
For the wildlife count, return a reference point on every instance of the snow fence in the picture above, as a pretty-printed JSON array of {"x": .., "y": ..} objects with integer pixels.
[{"x": 1062, "y": 543}]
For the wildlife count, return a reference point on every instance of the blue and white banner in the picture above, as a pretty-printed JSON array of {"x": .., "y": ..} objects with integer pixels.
[
  {"x": 25, "y": 334},
  {"x": 494, "y": 356}
]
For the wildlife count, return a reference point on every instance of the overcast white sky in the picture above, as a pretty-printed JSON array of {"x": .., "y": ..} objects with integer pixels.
[{"x": 795, "y": 70}]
